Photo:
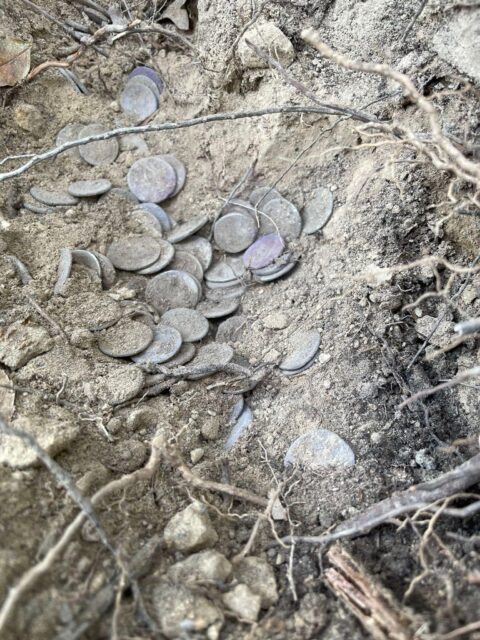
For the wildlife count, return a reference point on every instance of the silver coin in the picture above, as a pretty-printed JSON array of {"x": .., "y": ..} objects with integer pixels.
[
  {"x": 191, "y": 324},
  {"x": 200, "y": 247},
  {"x": 87, "y": 259},
  {"x": 237, "y": 265},
  {"x": 211, "y": 309},
  {"x": 319, "y": 449},
  {"x": 318, "y": 210},
  {"x": 167, "y": 253},
  {"x": 167, "y": 342},
  {"x": 296, "y": 372},
  {"x": 274, "y": 266},
  {"x": 180, "y": 171},
  {"x": 63, "y": 271},
  {"x": 224, "y": 292},
  {"x": 53, "y": 198},
  {"x": 234, "y": 232},
  {"x": 172, "y": 289},
  {"x": 211, "y": 356},
  {"x": 69, "y": 133},
  {"x": 186, "y": 229},
  {"x": 185, "y": 261},
  {"x": 89, "y": 188},
  {"x": 94, "y": 311},
  {"x": 147, "y": 222},
  {"x": 132, "y": 253},
  {"x": 125, "y": 339},
  {"x": 235, "y": 205},
  {"x": 124, "y": 193},
  {"x": 303, "y": 347},
  {"x": 282, "y": 217},
  {"x": 138, "y": 102},
  {"x": 151, "y": 179},
  {"x": 108, "y": 270},
  {"x": 236, "y": 410},
  {"x": 162, "y": 216},
  {"x": 232, "y": 329},
  {"x": 242, "y": 425},
  {"x": 186, "y": 353},
  {"x": 263, "y": 195},
  {"x": 220, "y": 272},
  {"x": 101, "y": 152},
  {"x": 146, "y": 81},
  {"x": 279, "y": 273}
]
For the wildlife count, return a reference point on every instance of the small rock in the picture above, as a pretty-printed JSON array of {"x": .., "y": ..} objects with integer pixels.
[
  {"x": 29, "y": 118},
  {"x": 276, "y": 320},
  {"x": 127, "y": 456},
  {"x": 245, "y": 604},
  {"x": 206, "y": 566},
  {"x": 19, "y": 343},
  {"x": 210, "y": 428},
  {"x": 191, "y": 529},
  {"x": 141, "y": 418},
  {"x": 181, "y": 611},
  {"x": 196, "y": 455},
  {"x": 268, "y": 37},
  {"x": 258, "y": 575}
]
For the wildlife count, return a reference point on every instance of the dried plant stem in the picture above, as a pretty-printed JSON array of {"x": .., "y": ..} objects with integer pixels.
[{"x": 474, "y": 372}]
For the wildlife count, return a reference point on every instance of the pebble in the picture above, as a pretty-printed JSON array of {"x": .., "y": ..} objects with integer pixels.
[
  {"x": 242, "y": 424},
  {"x": 186, "y": 353},
  {"x": 191, "y": 529},
  {"x": 180, "y": 171},
  {"x": 243, "y": 602},
  {"x": 186, "y": 229},
  {"x": 53, "y": 198},
  {"x": 282, "y": 217},
  {"x": 162, "y": 216},
  {"x": 185, "y": 261},
  {"x": 126, "y": 456},
  {"x": 125, "y": 339},
  {"x": 200, "y": 247},
  {"x": 196, "y": 455},
  {"x": 151, "y": 179},
  {"x": 7, "y": 396},
  {"x": 167, "y": 253},
  {"x": 133, "y": 253},
  {"x": 234, "y": 232},
  {"x": 172, "y": 289},
  {"x": 261, "y": 195},
  {"x": 259, "y": 577},
  {"x": 264, "y": 251},
  {"x": 191, "y": 324},
  {"x": 213, "y": 310},
  {"x": 277, "y": 320},
  {"x": 209, "y": 566},
  {"x": 19, "y": 343},
  {"x": 166, "y": 343},
  {"x": 101, "y": 152},
  {"x": 138, "y": 101},
  {"x": 89, "y": 188},
  {"x": 303, "y": 347},
  {"x": 87, "y": 259},
  {"x": 214, "y": 355},
  {"x": 318, "y": 210},
  {"x": 319, "y": 449}
]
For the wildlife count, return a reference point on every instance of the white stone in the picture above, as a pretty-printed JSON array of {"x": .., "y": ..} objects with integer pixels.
[
  {"x": 258, "y": 575},
  {"x": 206, "y": 566},
  {"x": 243, "y": 602},
  {"x": 268, "y": 37},
  {"x": 191, "y": 529}
]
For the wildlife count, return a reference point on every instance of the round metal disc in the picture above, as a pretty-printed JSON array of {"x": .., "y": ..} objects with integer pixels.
[
  {"x": 146, "y": 81},
  {"x": 185, "y": 354},
  {"x": 193, "y": 326},
  {"x": 167, "y": 342},
  {"x": 303, "y": 347},
  {"x": 275, "y": 275},
  {"x": 282, "y": 217},
  {"x": 185, "y": 261},
  {"x": 213, "y": 355},
  {"x": 53, "y": 198},
  {"x": 318, "y": 210},
  {"x": 147, "y": 221},
  {"x": 200, "y": 247},
  {"x": 172, "y": 289},
  {"x": 162, "y": 216},
  {"x": 134, "y": 252},
  {"x": 212, "y": 310},
  {"x": 138, "y": 102},
  {"x": 151, "y": 179},
  {"x": 88, "y": 259},
  {"x": 220, "y": 273},
  {"x": 108, "y": 270},
  {"x": 89, "y": 188},
  {"x": 69, "y": 133},
  {"x": 180, "y": 171},
  {"x": 150, "y": 73},
  {"x": 264, "y": 251},
  {"x": 167, "y": 253},
  {"x": 232, "y": 329},
  {"x": 125, "y": 339},
  {"x": 235, "y": 232},
  {"x": 263, "y": 195},
  {"x": 186, "y": 229},
  {"x": 318, "y": 449},
  {"x": 100, "y": 152}
]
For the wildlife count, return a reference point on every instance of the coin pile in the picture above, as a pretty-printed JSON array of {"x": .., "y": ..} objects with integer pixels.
[{"x": 141, "y": 95}]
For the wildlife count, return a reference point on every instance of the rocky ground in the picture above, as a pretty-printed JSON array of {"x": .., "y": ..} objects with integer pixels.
[{"x": 173, "y": 555}]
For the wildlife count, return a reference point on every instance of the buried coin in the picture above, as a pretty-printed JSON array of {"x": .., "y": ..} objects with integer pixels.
[
  {"x": 132, "y": 253},
  {"x": 242, "y": 424},
  {"x": 220, "y": 272},
  {"x": 70, "y": 133},
  {"x": 146, "y": 81},
  {"x": 166, "y": 255},
  {"x": 282, "y": 270},
  {"x": 63, "y": 271},
  {"x": 303, "y": 347},
  {"x": 125, "y": 339},
  {"x": 151, "y": 179},
  {"x": 108, "y": 270},
  {"x": 138, "y": 101},
  {"x": 185, "y": 261},
  {"x": 211, "y": 357},
  {"x": 100, "y": 152},
  {"x": 146, "y": 221},
  {"x": 185, "y": 354},
  {"x": 191, "y": 324},
  {"x": 172, "y": 289},
  {"x": 162, "y": 216},
  {"x": 318, "y": 449},
  {"x": 261, "y": 195},
  {"x": 212, "y": 309},
  {"x": 264, "y": 251},
  {"x": 282, "y": 217},
  {"x": 149, "y": 73},
  {"x": 180, "y": 171},
  {"x": 87, "y": 259},
  {"x": 232, "y": 329},
  {"x": 318, "y": 210},
  {"x": 200, "y": 247},
  {"x": 234, "y": 232},
  {"x": 167, "y": 342},
  {"x": 53, "y": 198},
  {"x": 186, "y": 229},
  {"x": 89, "y": 188}
]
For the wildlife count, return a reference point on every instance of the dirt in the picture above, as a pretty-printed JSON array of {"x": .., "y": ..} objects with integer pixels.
[{"x": 388, "y": 202}]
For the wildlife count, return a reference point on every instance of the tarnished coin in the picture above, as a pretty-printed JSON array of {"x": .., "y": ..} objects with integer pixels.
[
  {"x": 282, "y": 217},
  {"x": 172, "y": 289},
  {"x": 185, "y": 261},
  {"x": 234, "y": 232},
  {"x": 89, "y": 188},
  {"x": 69, "y": 133},
  {"x": 146, "y": 81},
  {"x": 236, "y": 410},
  {"x": 88, "y": 259},
  {"x": 167, "y": 342},
  {"x": 147, "y": 222},
  {"x": 132, "y": 253},
  {"x": 274, "y": 266},
  {"x": 124, "y": 194},
  {"x": 296, "y": 372},
  {"x": 179, "y": 169},
  {"x": 232, "y": 329},
  {"x": 318, "y": 210},
  {"x": 53, "y": 198},
  {"x": 185, "y": 354},
  {"x": 125, "y": 339},
  {"x": 211, "y": 357},
  {"x": 63, "y": 270},
  {"x": 275, "y": 275},
  {"x": 264, "y": 251},
  {"x": 319, "y": 449},
  {"x": 186, "y": 229},
  {"x": 236, "y": 205},
  {"x": 221, "y": 273},
  {"x": 151, "y": 179},
  {"x": 193, "y": 326},
  {"x": 303, "y": 347},
  {"x": 242, "y": 425},
  {"x": 167, "y": 253},
  {"x": 261, "y": 195},
  {"x": 138, "y": 102},
  {"x": 228, "y": 291},
  {"x": 100, "y": 152},
  {"x": 93, "y": 311},
  {"x": 237, "y": 266},
  {"x": 118, "y": 382},
  {"x": 150, "y": 73},
  {"x": 200, "y": 247},
  {"x": 220, "y": 309},
  {"x": 162, "y": 216},
  {"x": 108, "y": 270}
]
